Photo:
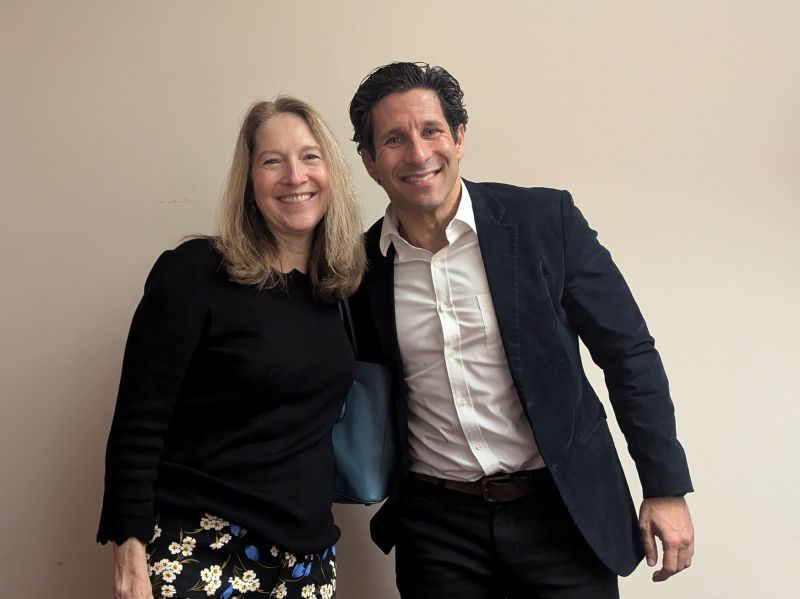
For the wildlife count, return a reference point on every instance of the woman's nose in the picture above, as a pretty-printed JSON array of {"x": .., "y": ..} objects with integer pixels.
[{"x": 295, "y": 173}]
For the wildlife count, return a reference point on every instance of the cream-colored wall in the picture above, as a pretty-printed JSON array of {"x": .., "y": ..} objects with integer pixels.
[{"x": 674, "y": 124}]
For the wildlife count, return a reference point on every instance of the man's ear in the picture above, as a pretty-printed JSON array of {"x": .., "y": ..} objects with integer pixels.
[
  {"x": 369, "y": 164},
  {"x": 461, "y": 132}
]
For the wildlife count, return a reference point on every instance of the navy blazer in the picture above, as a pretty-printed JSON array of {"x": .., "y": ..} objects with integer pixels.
[{"x": 552, "y": 282}]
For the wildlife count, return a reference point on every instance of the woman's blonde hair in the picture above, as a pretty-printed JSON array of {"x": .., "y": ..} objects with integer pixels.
[{"x": 250, "y": 250}]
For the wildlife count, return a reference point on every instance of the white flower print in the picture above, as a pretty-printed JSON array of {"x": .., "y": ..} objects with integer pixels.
[
  {"x": 174, "y": 548},
  {"x": 238, "y": 584},
  {"x": 211, "y": 522},
  {"x": 289, "y": 559},
  {"x": 187, "y": 546},
  {"x": 212, "y": 587},
  {"x": 308, "y": 591},
  {"x": 326, "y": 591},
  {"x": 159, "y": 566},
  {"x": 333, "y": 566},
  {"x": 168, "y": 590},
  {"x": 221, "y": 541},
  {"x": 248, "y": 582},
  {"x": 156, "y": 532},
  {"x": 211, "y": 574},
  {"x": 273, "y": 551},
  {"x": 279, "y": 591},
  {"x": 171, "y": 570}
]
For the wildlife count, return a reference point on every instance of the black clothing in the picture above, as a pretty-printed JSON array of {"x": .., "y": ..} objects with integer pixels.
[
  {"x": 551, "y": 284},
  {"x": 226, "y": 404},
  {"x": 199, "y": 556},
  {"x": 453, "y": 544}
]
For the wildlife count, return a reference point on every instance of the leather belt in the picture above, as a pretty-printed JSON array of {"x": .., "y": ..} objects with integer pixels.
[{"x": 498, "y": 488}]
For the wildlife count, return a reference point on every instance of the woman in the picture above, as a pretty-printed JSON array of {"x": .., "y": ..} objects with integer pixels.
[{"x": 219, "y": 461}]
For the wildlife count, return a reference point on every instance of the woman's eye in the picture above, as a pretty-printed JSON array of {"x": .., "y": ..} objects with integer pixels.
[{"x": 270, "y": 161}]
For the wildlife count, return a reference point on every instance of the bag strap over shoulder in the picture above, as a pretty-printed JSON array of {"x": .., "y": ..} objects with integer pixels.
[{"x": 347, "y": 320}]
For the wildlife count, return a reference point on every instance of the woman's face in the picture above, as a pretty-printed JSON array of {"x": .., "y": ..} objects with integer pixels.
[{"x": 290, "y": 177}]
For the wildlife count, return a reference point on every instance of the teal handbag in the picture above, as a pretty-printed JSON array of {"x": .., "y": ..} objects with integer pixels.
[{"x": 364, "y": 436}]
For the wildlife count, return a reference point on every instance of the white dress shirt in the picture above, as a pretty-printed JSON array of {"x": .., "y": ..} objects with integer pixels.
[{"x": 465, "y": 420}]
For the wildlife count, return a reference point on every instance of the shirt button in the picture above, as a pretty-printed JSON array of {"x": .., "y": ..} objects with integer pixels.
[
  {"x": 462, "y": 402},
  {"x": 478, "y": 446},
  {"x": 443, "y": 307},
  {"x": 450, "y": 353},
  {"x": 437, "y": 263}
]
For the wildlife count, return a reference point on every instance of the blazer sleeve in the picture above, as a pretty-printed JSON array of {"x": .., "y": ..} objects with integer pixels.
[
  {"x": 164, "y": 332},
  {"x": 605, "y": 315}
]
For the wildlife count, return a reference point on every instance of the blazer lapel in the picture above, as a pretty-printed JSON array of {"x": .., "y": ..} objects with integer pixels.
[
  {"x": 381, "y": 297},
  {"x": 500, "y": 252}
]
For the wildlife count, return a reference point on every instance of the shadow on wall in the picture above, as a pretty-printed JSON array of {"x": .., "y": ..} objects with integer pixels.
[
  {"x": 66, "y": 494},
  {"x": 356, "y": 555}
]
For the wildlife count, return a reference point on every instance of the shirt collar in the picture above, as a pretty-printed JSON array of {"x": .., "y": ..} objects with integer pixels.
[{"x": 390, "y": 230}]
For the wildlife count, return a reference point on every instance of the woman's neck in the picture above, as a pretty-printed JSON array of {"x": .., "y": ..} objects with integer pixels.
[{"x": 294, "y": 253}]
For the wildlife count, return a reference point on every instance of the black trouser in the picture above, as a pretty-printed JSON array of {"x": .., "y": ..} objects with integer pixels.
[{"x": 455, "y": 545}]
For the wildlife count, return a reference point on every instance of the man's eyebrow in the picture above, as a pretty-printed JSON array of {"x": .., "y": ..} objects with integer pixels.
[
  {"x": 424, "y": 125},
  {"x": 390, "y": 132}
]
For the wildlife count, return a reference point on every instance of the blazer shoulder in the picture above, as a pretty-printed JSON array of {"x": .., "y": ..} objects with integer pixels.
[
  {"x": 372, "y": 239},
  {"x": 520, "y": 204},
  {"x": 516, "y": 193}
]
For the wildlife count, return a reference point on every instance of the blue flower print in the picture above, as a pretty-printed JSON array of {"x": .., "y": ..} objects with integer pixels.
[
  {"x": 235, "y": 529},
  {"x": 299, "y": 570},
  {"x": 227, "y": 593},
  {"x": 251, "y": 551}
]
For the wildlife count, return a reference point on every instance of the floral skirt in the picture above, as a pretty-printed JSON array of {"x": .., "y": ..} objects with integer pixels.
[{"x": 208, "y": 556}]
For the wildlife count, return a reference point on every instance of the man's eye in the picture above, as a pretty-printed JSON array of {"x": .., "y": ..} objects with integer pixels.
[
  {"x": 431, "y": 131},
  {"x": 393, "y": 141}
]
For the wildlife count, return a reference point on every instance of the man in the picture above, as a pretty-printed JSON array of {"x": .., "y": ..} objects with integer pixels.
[{"x": 476, "y": 295}]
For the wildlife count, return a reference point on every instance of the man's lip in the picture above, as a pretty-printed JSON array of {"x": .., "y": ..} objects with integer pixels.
[{"x": 420, "y": 177}]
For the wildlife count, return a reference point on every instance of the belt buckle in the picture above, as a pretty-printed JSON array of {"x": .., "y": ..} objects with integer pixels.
[{"x": 486, "y": 489}]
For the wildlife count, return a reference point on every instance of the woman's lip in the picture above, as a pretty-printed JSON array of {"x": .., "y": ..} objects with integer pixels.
[{"x": 297, "y": 198}]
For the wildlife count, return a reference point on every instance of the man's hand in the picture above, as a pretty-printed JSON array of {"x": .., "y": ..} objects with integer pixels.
[
  {"x": 668, "y": 519},
  {"x": 131, "y": 576}
]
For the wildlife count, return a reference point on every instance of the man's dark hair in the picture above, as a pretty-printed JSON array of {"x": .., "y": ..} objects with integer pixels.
[{"x": 402, "y": 77}]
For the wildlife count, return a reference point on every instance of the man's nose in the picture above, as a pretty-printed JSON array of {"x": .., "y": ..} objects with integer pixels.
[{"x": 417, "y": 151}]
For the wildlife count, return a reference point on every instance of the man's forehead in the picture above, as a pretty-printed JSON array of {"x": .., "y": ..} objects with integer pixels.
[{"x": 418, "y": 103}]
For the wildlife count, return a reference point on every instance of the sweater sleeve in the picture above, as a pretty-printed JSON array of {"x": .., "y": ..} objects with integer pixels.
[
  {"x": 165, "y": 330},
  {"x": 609, "y": 322}
]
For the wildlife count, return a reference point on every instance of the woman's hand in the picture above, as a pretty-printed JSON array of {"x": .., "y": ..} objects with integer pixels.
[{"x": 131, "y": 576}]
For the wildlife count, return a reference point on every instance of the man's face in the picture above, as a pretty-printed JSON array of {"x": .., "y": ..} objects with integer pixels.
[{"x": 416, "y": 158}]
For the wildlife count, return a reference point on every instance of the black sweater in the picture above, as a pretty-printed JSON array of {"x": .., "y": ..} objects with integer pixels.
[{"x": 226, "y": 403}]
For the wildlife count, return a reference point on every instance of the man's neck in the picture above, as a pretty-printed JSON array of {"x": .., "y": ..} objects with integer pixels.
[
  {"x": 427, "y": 230},
  {"x": 426, "y": 235}
]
